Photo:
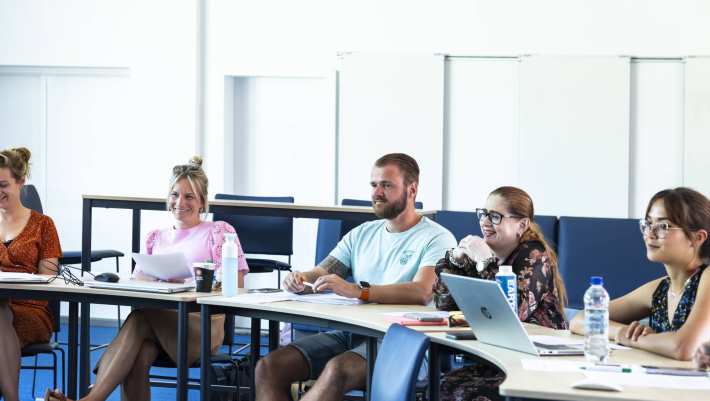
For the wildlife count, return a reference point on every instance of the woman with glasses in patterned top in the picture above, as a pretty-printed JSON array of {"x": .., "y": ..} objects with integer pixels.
[
  {"x": 510, "y": 237},
  {"x": 675, "y": 230}
]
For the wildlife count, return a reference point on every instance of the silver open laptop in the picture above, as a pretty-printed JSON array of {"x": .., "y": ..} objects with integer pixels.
[
  {"x": 143, "y": 286},
  {"x": 486, "y": 309}
]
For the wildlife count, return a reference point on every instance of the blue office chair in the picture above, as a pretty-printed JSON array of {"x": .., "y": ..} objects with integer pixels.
[
  {"x": 30, "y": 199},
  {"x": 612, "y": 248},
  {"x": 462, "y": 224},
  {"x": 262, "y": 234},
  {"x": 397, "y": 365}
]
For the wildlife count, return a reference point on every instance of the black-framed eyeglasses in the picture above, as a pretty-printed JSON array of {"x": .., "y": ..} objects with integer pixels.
[
  {"x": 659, "y": 230},
  {"x": 494, "y": 216}
]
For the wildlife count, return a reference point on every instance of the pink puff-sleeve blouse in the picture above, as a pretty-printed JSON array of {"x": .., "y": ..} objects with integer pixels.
[{"x": 199, "y": 243}]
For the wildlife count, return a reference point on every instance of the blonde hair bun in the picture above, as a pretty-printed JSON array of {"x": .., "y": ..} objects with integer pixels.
[
  {"x": 195, "y": 161},
  {"x": 23, "y": 153},
  {"x": 17, "y": 160}
]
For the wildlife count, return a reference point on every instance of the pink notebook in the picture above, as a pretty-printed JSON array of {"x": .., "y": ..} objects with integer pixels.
[{"x": 404, "y": 321}]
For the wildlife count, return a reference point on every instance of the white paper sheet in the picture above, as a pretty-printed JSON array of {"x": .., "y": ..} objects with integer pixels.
[
  {"x": 552, "y": 365},
  {"x": 172, "y": 266},
  {"x": 657, "y": 381},
  {"x": 16, "y": 277},
  {"x": 328, "y": 298},
  {"x": 263, "y": 298},
  {"x": 554, "y": 340}
]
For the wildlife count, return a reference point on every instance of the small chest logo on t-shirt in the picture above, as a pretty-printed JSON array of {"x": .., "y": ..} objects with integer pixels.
[{"x": 406, "y": 255}]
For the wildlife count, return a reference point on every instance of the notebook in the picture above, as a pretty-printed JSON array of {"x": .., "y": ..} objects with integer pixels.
[
  {"x": 13, "y": 277},
  {"x": 492, "y": 320},
  {"x": 142, "y": 286}
]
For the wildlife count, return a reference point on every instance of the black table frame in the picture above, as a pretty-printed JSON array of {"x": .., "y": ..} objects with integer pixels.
[{"x": 136, "y": 205}]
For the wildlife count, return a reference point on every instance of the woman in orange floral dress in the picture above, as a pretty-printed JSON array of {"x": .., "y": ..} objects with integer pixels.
[{"x": 29, "y": 244}]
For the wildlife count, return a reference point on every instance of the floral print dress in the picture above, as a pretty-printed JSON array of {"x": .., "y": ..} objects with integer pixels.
[{"x": 538, "y": 303}]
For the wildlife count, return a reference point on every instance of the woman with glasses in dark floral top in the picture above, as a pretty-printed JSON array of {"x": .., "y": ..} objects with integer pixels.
[
  {"x": 675, "y": 230},
  {"x": 510, "y": 237}
]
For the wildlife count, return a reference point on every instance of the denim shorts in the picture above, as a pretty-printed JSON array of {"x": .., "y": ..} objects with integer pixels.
[{"x": 318, "y": 349}]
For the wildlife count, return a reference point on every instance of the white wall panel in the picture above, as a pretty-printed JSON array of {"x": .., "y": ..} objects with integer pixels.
[
  {"x": 481, "y": 130},
  {"x": 697, "y": 124},
  {"x": 574, "y": 134},
  {"x": 284, "y": 145},
  {"x": 391, "y": 103},
  {"x": 22, "y": 121},
  {"x": 656, "y": 145}
]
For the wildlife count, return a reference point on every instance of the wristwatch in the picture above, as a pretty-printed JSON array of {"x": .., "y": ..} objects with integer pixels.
[{"x": 364, "y": 291}]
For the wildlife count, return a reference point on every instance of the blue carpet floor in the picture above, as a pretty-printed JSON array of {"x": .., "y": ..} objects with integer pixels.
[{"x": 100, "y": 335}]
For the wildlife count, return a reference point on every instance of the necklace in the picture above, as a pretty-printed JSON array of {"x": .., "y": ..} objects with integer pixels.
[{"x": 674, "y": 294}]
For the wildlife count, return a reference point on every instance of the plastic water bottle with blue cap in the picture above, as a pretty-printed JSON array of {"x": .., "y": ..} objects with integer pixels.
[{"x": 596, "y": 321}]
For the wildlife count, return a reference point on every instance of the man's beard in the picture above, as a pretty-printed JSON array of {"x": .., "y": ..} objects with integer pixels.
[{"x": 391, "y": 209}]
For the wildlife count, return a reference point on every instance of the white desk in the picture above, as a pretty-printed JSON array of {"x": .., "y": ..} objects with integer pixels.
[
  {"x": 79, "y": 345},
  {"x": 369, "y": 320}
]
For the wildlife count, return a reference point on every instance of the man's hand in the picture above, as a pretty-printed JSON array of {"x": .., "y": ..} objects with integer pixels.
[
  {"x": 293, "y": 282},
  {"x": 631, "y": 333},
  {"x": 333, "y": 282}
]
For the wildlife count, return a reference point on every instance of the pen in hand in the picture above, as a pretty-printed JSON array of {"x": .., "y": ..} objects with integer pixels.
[{"x": 310, "y": 285}]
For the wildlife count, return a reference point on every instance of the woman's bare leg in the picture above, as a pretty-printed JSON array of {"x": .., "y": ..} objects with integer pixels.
[
  {"x": 120, "y": 356},
  {"x": 136, "y": 386},
  {"x": 9, "y": 354}
]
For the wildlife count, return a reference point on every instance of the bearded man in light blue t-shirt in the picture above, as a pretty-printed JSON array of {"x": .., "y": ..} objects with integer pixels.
[{"x": 392, "y": 261}]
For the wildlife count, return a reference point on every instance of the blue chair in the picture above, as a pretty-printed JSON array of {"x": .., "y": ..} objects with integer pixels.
[
  {"x": 262, "y": 235},
  {"x": 462, "y": 224},
  {"x": 397, "y": 364},
  {"x": 611, "y": 248},
  {"x": 30, "y": 199}
]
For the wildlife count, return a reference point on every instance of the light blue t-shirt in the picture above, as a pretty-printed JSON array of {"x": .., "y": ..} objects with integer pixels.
[{"x": 380, "y": 257}]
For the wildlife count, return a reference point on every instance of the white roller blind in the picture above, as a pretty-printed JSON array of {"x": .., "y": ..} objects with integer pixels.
[
  {"x": 574, "y": 134},
  {"x": 482, "y": 129},
  {"x": 697, "y": 123},
  {"x": 391, "y": 103}
]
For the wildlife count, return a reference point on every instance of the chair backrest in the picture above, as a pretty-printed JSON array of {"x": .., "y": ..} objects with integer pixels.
[
  {"x": 261, "y": 234},
  {"x": 30, "y": 198},
  {"x": 331, "y": 231},
  {"x": 397, "y": 364},
  {"x": 549, "y": 226},
  {"x": 460, "y": 224},
  {"x": 611, "y": 248}
]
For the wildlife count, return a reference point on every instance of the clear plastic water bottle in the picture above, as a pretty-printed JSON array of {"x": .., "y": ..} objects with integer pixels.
[
  {"x": 508, "y": 281},
  {"x": 229, "y": 265},
  {"x": 596, "y": 321}
]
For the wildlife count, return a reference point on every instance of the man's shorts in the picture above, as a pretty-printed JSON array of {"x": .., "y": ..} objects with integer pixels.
[{"x": 318, "y": 349}]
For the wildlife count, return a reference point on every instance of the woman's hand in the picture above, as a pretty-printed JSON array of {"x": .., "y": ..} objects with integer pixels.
[
  {"x": 631, "y": 333},
  {"x": 475, "y": 248}
]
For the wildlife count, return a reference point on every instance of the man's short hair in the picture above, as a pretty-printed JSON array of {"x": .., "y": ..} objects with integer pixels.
[{"x": 407, "y": 165}]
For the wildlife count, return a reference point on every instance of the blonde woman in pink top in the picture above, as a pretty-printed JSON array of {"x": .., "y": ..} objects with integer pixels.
[{"x": 147, "y": 332}]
